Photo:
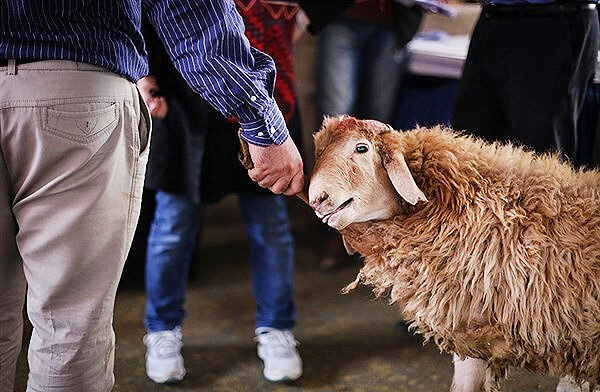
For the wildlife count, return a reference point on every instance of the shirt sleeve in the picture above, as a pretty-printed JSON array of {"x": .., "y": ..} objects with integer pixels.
[{"x": 206, "y": 42}]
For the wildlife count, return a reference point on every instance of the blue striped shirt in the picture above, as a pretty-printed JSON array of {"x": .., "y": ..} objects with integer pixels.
[{"x": 204, "y": 38}]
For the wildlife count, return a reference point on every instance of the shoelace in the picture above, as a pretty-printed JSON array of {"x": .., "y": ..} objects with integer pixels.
[
  {"x": 164, "y": 342},
  {"x": 279, "y": 342}
]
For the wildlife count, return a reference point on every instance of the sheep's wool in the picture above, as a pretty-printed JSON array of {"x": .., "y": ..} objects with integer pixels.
[{"x": 502, "y": 263}]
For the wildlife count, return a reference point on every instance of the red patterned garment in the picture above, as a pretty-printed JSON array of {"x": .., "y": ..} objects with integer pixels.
[{"x": 269, "y": 28}]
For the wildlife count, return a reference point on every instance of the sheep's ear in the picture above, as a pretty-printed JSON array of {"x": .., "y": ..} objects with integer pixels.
[
  {"x": 349, "y": 249},
  {"x": 403, "y": 181}
]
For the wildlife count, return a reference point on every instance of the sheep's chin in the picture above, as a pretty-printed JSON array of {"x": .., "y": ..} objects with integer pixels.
[
  {"x": 354, "y": 214},
  {"x": 341, "y": 219}
]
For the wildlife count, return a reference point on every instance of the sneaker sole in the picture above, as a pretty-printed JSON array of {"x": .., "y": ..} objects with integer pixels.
[
  {"x": 173, "y": 379},
  {"x": 167, "y": 380},
  {"x": 277, "y": 377},
  {"x": 281, "y": 378}
]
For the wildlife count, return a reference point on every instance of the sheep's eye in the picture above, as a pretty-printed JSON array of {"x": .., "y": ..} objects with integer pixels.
[{"x": 361, "y": 148}]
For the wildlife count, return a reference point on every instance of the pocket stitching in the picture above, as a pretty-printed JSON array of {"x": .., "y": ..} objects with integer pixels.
[
  {"x": 86, "y": 139},
  {"x": 78, "y": 115}
]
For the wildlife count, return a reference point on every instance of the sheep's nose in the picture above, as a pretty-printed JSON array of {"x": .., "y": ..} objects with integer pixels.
[{"x": 316, "y": 202}]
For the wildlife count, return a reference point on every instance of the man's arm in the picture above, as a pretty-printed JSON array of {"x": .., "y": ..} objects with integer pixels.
[{"x": 206, "y": 42}]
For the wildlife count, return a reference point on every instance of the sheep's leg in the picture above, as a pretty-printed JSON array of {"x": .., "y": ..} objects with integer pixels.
[
  {"x": 568, "y": 384},
  {"x": 469, "y": 374},
  {"x": 492, "y": 380}
]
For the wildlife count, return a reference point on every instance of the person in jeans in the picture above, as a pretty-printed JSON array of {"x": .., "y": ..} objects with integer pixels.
[
  {"x": 73, "y": 150},
  {"x": 361, "y": 58},
  {"x": 194, "y": 161}
]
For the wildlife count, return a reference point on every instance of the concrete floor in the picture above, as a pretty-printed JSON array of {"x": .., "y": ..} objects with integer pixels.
[{"x": 349, "y": 343}]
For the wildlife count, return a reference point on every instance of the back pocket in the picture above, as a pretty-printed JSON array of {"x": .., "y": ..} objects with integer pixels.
[{"x": 82, "y": 122}]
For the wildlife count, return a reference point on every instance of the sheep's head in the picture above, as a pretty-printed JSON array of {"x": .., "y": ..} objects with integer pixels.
[{"x": 358, "y": 175}]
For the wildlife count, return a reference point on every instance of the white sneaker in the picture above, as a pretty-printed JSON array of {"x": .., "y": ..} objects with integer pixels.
[
  {"x": 277, "y": 349},
  {"x": 164, "y": 362}
]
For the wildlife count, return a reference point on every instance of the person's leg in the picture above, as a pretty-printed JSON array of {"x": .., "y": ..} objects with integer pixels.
[
  {"x": 272, "y": 254},
  {"x": 12, "y": 285},
  {"x": 547, "y": 75},
  {"x": 171, "y": 242},
  {"x": 477, "y": 106},
  {"x": 586, "y": 126},
  {"x": 585, "y": 35},
  {"x": 170, "y": 247},
  {"x": 382, "y": 72},
  {"x": 75, "y": 148},
  {"x": 596, "y": 149},
  {"x": 338, "y": 62}
]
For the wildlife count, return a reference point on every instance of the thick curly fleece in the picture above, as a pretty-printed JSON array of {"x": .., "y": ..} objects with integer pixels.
[{"x": 503, "y": 261}]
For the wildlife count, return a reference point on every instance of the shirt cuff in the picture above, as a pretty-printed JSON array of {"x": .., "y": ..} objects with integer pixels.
[{"x": 268, "y": 129}]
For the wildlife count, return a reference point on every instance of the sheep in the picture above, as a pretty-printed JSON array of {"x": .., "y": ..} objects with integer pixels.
[{"x": 490, "y": 251}]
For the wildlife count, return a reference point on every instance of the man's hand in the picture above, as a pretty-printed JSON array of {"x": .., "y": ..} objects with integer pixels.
[
  {"x": 157, "y": 104},
  {"x": 277, "y": 167},
  {"x": 302, "y": 22}
]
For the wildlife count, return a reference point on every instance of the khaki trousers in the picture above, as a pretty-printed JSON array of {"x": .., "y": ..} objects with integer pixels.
[{"x": 73, "y": 152}]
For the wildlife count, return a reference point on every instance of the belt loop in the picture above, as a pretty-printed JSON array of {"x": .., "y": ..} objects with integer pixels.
[{"x": 12, "y": 67}]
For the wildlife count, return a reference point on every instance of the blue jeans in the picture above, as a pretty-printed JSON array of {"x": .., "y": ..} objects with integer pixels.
[
  {"x": 358, "y": 60},
  {"x": 171, "y": 242}
]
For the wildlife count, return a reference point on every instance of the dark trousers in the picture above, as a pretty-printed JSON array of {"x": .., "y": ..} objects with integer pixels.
[{"x": 525, "y": 78}]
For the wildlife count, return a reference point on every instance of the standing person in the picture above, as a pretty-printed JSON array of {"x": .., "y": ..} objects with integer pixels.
[
  {"x": 361, "y": 59},
  {"x": 526, "y": 73},
  {"x": 73, "y": 148},
  {"x": 177, "y": 170},
  {"x": 361, "y": 55}
]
